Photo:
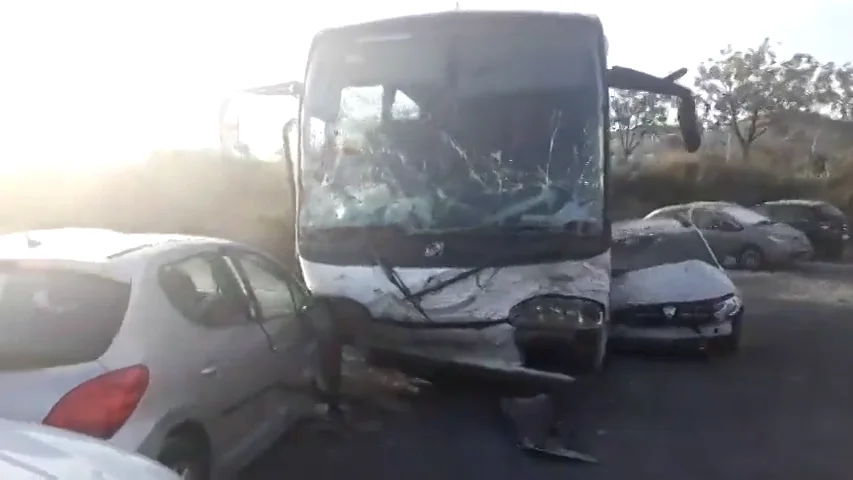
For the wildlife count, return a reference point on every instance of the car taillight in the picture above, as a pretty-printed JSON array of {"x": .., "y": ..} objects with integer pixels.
[{"x": 100, "y": 406}]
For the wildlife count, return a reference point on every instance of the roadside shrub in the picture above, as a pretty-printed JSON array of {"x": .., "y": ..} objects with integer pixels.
[{"x": 683, "y": 179}]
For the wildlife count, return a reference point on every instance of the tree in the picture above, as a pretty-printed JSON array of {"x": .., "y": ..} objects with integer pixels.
[
  {"x": 807, "y": 83},
  {"x": 634, "y": 116},
  {"x": 840, "y": 99},
  {"x": 742, "y": 91}
]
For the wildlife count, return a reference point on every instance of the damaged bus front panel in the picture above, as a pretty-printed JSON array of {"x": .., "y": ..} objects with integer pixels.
[{"x": 452, "y": 185}]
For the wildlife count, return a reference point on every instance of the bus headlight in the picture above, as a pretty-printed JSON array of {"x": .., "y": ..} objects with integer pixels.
[
  {"x": 547, "y": 313},
  {"x": 727, "y": 307}
]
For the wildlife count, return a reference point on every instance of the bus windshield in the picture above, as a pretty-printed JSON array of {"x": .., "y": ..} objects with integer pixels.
[{"x": 434, "y": 132}]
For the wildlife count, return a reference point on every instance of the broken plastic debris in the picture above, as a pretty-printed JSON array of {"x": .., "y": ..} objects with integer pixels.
[
  {"x": 553, "y": 448},
  {"x": 534, "y": 421}
]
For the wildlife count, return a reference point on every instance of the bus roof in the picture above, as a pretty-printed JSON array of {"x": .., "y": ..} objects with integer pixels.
[{"x": 458, "y": 19}]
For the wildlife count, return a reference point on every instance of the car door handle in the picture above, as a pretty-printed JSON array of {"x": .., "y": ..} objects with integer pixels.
[{"x": 207, "y": 371}]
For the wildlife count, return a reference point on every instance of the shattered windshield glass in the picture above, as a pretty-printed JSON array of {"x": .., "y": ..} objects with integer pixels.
[
  {"x": 639, "y": 248},
  {"x": 454, "y": 132}
]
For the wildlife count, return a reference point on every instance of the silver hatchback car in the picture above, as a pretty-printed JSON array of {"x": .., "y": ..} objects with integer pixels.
[{"x": 741, "y": 237}]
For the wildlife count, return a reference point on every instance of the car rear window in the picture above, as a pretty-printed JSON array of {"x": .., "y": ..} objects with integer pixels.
[
  {"x": 830, "y": 210},
  {"x": 791, "y": 213},
  {"x": 52, "y": 317}
]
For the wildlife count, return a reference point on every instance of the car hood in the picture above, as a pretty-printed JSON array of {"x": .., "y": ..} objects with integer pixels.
[
  {"x": 687, "y": 281},
  {"x": 35, "y": 451}
]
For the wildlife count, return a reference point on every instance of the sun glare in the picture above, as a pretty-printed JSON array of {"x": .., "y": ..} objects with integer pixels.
[{"x": 100, "y": 81}]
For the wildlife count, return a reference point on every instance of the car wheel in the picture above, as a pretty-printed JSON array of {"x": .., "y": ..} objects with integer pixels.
[
  {"x": 186, "y": 456},
  {"x": 751, "y": 258}
]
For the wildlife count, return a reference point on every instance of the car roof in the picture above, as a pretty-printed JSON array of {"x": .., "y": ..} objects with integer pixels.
[
  {"x": 711, "y": 204},
  {"x": 795, "y": 201},
  {"x": 90, "y": 245},
  {"x": 700, "y": 204},
  {"x": 646, "y": 226}
]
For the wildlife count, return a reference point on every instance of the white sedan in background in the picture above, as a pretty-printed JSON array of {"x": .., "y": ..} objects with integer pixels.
[
  {"x": 36, "y": 452},
  {"x": 188, "y": 350}
]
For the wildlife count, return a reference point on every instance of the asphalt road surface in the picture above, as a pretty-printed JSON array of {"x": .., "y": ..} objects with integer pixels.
[{"x": 782, "y": 409}]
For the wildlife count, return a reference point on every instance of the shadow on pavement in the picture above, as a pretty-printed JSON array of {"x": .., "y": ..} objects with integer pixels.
[{"x": 779, "y": 410}]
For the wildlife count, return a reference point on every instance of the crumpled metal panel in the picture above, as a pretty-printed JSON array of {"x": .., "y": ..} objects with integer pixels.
[
  {"x": 486, "y": 297},
  {"x": 686, "y": 281}
]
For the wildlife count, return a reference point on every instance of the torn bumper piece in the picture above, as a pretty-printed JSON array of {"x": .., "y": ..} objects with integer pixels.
[
  {"x": 516, "y": 379},
  {"x": 490, "y": 355}
]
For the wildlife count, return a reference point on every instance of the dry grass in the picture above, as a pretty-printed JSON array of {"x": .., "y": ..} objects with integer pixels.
[
  {"x": 185, "y": 192},
  {"x": 681, "y": 178},
  {"x": 197, "y": 192}
]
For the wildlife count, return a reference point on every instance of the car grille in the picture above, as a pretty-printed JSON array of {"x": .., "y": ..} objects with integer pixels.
[{"x": 686, "y": 314}]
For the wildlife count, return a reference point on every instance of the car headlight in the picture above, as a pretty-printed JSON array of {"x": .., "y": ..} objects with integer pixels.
[
  {"x": 727, "y": 307},
  {"x": 557, "y": 313},
  {"x": 775, "y": 239}
]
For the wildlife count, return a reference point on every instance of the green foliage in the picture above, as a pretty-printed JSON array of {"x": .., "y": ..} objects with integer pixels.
[
  {"x": 840, "y": 97},
  {"x": 741, "y": 90},
  {"x": 748, "y": 93},
  {"x": 635, "y": 116}
]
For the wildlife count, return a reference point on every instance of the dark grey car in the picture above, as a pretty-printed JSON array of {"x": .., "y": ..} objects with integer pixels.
[
  {"x": 741, "y": 237},
  {"x": 824, "y": 224}
]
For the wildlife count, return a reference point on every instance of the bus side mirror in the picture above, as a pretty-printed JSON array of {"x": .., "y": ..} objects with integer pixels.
[
  {"x": 288, "y": 140},
  {"x": 688, "y": 124},
  {"x": 288, "y": 89},
  {"x": 630, "y": 79},
  {"x": 229, "y": 115}
]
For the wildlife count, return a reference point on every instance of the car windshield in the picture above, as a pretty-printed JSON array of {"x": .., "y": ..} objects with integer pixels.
[
  {"x": 745, "y": 216},
  {"x": 436, "y": 132},
  {"x": 639, "y": 248}
]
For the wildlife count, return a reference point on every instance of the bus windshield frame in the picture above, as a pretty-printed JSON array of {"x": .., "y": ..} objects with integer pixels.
[{"x": 437, "y": 68}]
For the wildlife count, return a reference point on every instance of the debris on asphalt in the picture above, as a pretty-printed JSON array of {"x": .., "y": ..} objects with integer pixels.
[
  {"x": 535, "y": 423},
  {"x": 366, "y": 394},
  {"x": 555, "y": 449},
  {"x": 369, "y": 392}
]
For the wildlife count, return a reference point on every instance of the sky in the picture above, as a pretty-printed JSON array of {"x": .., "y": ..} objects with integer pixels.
[{"x": 91, "y": 82}]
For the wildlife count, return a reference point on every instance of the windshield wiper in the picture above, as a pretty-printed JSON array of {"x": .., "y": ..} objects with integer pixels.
[
  {"x": 444, "y": 284},
  {"x": 578, "y": 227},
  {"x": 398, "y": 282},
  {"x": 414, "y": 298}
]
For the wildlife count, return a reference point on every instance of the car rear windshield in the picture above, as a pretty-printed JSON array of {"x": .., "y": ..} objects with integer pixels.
[
  {"x": 830, "y": 210},
  {"x": 52, "y": 317}
]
